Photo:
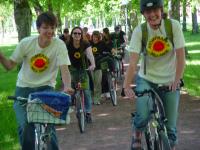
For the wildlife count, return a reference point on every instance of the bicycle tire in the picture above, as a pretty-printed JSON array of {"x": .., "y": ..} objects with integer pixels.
[
  {"x": 162, "y": 143},
  {"x": 148, "y": 138},
  {"x": 112, "y": 89},
  {"x": 42, "y": 137},
  {"x": 79, "y": 112}
]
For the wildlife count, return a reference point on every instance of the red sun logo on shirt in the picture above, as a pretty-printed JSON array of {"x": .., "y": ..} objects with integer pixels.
[
  {"x": 158, "y": 46},
  {"x": 39, "y": 63}
]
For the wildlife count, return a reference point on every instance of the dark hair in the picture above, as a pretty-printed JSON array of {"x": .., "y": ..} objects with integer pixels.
[
  {"x": 149, "y": 4},
  {"x": 47, "y": 18},
  {"x": 71, "y": 38},
  {"x": 117, "y": 28},
  {"x": 96, "y": 33},
  {"x": 106, "y": 31},
  {"x": 66, "y": 30}
]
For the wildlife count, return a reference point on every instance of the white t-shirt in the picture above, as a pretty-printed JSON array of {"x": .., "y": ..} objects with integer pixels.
[
  {"x": 160, "y": 68},
  {"x": 39, "y": 65}
]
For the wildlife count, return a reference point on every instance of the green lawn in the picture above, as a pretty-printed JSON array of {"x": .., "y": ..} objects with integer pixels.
[{"x": 8, "y": 129}]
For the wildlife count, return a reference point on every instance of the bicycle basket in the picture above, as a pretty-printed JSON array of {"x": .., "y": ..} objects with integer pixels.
[{"x": 48, "y": 107}]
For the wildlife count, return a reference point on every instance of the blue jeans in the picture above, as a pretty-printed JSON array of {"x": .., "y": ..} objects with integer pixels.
[
  {"x": 26, "y": 130},
  {"x": 82, "y": 75},
  {"x": 170, "y": 102}
]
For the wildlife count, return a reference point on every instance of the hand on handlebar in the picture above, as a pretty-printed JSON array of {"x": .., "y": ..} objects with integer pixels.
[
  {"x": 129, "y": 92},
  {"x": 91, "y": 67},
  {"x": 68, "y": 90}
]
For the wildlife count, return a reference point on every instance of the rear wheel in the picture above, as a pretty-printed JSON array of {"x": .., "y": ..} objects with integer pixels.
[
  {"x": 112, "y": 89},
  {"x": 80, "y": 112}
]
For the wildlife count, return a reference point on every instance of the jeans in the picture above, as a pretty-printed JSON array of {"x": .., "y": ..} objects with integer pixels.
[
  {"x": 82, "y": 75},
  {"x": 170, "y": 102},
  {"x": 26, "y": 130}
]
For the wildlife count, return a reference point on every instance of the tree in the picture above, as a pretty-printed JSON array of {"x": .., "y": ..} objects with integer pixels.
[
  {"x": 195, "y": 28},
  {"x": 184, "y": 15},
  {"x": 175, "y": 9},
  {"x": 5, "y": 13},
  {"x": 23, "y": 18}
]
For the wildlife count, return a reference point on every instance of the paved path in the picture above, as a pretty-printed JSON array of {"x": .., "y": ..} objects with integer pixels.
[{"x": 111, "y": 127}]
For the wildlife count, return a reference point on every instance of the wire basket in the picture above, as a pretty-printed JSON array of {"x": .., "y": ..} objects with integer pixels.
[{"x": 48, "y": 107}]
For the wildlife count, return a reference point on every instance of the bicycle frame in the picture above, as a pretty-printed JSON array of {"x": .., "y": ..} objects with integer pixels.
[
  {"x": 80, "y": 106},
  {"x": 111, "y": 79},
  {"x": 155, "y": 133}
]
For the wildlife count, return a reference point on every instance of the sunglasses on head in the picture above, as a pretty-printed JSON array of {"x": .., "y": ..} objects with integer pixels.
[{"x": 77, "y": 33}]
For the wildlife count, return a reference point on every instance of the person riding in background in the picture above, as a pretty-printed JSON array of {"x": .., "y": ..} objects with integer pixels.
[
  {"x": 119, "y": 38},
  {"x": 164, "y": 60},
  {"x": 98, "y": 47},
  {"x": 86, "y": 35},
  {"x": 41, "y": 57},
  {"x": 79, "y": 50},
  {"x": 65, "y": 36}
]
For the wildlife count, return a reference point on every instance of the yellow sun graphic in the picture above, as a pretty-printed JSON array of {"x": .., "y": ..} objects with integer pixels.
[
  {"x": 77, "y": 55},
  {"x": 158, "y": 46},
  {"x": 39, "y": 63},
  {"x": 94, "y": 49}
]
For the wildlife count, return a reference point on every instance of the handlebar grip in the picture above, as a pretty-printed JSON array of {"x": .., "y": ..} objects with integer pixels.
[{"x": 12, "y": 97}]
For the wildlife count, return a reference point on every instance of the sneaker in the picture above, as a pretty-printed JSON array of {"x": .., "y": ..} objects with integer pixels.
[
  {"x": 68, "y": 119},
  {"x": 107, "y": 95},
  {"x": 88, "y": 118},
  {"x": 97, "y": 103}
]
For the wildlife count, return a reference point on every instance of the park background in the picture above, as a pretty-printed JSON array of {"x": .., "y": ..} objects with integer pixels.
[{"x": 17, "y": 20}]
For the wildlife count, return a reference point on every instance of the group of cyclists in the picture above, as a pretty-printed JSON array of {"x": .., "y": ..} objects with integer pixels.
[{"x": 162, "y": 62}]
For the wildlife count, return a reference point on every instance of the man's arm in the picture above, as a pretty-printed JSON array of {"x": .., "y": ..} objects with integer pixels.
[
  {"x": 90, "y": 56},
  {"x": 66, "y": 78},
  {"x": 180, "y": 65},
  {"x": 8, "y": 64}
]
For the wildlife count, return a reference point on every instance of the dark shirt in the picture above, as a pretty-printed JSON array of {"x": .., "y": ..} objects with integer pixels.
[
  {"x": 118, "y": 39},
  {"x": 97, "y": 50},
  {"x": 77, "y": 56}
]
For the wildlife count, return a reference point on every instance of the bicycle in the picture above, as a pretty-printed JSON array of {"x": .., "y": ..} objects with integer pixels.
[
  {"x": 45, "y": 109},
  {"x": 155, "y": 135},
  {"x": 111, "y": 78},
  {"x": 79, "y": 102},
  {"x": 118, "y": 56}
]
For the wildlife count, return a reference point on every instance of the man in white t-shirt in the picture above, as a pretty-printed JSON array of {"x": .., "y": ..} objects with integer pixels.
[{"x": 41, "y": 57}]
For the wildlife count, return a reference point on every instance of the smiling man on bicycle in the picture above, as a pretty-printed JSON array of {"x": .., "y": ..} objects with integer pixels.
[
  {"x": 41, "y": 57},
  {"x": 162, "y": 62}
]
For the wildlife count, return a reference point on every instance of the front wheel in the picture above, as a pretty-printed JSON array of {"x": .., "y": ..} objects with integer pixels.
[
  {"x": 112, "y": 89},
  {"x": 162, "y": 142},
  {"x": 80, "y": 112}
]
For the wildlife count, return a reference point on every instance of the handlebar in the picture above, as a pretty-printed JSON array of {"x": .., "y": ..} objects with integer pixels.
[
  {"x": 17, "y": 98},
  {"x": 159, "y": 88}
]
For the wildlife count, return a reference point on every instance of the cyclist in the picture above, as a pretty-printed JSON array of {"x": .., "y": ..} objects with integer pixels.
[
  {"x": 79, "y": 49},
  {"x": 98, "y": 47},
  {"x": 107, "y": 39},
  {"x": 41, "y": 57},
  {"x": 165, "y": 61},
  {"x": 65, "y": 36}
]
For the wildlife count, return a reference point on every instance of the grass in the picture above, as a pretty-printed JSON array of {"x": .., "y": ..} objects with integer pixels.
[
  {"x": 192, "y": 71},
  {"x": 8, "y": 127}
]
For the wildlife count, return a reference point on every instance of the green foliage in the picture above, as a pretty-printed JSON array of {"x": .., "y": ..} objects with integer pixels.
[{"x": 192, "y": 71}]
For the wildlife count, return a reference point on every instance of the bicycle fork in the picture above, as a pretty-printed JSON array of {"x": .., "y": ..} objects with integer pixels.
[{"x": 42, "y": 137}]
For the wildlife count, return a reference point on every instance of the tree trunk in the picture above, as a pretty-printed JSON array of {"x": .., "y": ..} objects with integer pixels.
[
  {"x": 59, "y": 28},
  {"x": 184, "y": 15},
  {"x": 175, "y": 9},
  {"x": 195, "y": 28},
  {"x": 23, "y": 18},
  {"x": 37, "y": 6},
  {"x": 3, "y": 28}
]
